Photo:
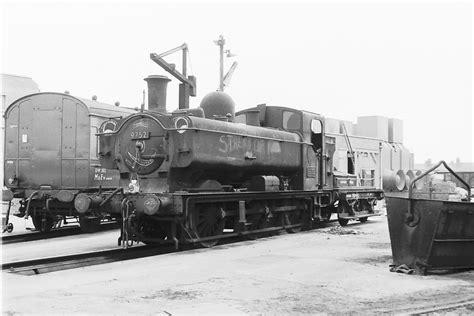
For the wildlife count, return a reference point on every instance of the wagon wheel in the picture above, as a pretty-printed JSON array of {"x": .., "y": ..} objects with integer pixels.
[
  {"x": 368, "y": 207},
  {"x": 45, "y": 226},
  {"x": 342, "y": 221},
  {"x": 292, "y": 218},
  {"x": 8, "y": 228},
  {"x": 207, "y": 221},
  {"x": 340, "y": 209}
]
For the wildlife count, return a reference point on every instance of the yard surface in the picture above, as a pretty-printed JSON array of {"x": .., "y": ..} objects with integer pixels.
[{"x": 330, "y": 270}]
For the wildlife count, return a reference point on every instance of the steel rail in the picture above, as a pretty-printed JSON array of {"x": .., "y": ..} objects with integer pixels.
[
  {"x": 430, "y": 308},
  {"x": 55, "y": 233},
  {"x": 52, "y": 264},
  {"x": 445, "y": 308}
]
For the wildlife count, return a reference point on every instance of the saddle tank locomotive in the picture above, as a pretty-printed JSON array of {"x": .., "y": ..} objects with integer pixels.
[{"x": 197, "y": 177}]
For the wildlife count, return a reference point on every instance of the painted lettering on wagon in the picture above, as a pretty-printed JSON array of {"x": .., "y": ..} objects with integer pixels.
[
  {"x": 233, "y": 143},
  {"x": 100, "y": 174}
]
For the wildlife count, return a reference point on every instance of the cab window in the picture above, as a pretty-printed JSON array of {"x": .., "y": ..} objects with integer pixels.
[
  {"x": 316, "y": 127},
  {"x": 317, "y": 134}
]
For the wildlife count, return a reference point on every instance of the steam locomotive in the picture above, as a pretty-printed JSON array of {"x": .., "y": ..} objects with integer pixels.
[
  {"x": 51, "y": 156},
  {"x": 200, "y": 175}
]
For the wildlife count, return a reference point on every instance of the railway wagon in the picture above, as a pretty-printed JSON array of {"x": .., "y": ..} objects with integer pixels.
[
  {"x": 186, "y": 178},
  {"x": 51, "y": 156}
]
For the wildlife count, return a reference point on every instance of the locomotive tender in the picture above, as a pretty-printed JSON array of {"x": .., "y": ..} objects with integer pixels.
[
  {"x": 51, "y": 155},
  {"x": 189, "y": 178}
]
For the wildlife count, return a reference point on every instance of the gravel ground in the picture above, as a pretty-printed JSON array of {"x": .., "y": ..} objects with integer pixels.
[{"x": 331, "y": 270}]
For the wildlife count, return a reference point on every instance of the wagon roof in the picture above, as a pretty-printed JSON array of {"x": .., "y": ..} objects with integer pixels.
[{"x": 94, "y": 107}]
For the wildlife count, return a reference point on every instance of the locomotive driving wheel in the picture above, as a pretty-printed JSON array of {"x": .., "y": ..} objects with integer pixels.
[
  {"x": 207, "y": 220},
  {"x": 256, "y": 222},
  {"x": 293, "y": 218},
  {"x": 258, "y": 219}
]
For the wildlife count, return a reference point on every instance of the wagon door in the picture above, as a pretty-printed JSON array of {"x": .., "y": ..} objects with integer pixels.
[
  {"x": 75, "y": 144},
  {"x": 39, "y": 142}
]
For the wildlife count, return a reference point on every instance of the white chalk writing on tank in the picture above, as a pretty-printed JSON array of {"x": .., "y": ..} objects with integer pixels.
[{"x": 232, "y": 143}]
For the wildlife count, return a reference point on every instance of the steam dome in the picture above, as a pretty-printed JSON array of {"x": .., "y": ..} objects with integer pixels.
[{"x": 217, "y": 104}]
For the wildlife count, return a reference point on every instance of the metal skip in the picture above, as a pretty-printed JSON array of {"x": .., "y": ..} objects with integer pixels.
[{"x": 431, "y": 234}]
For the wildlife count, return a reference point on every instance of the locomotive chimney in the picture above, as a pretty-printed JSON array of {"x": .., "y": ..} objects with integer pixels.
[{"x": 157, "y": 86}]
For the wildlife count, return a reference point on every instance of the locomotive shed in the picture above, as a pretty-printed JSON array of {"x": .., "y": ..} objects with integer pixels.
[{"x": 326, "y": 270}]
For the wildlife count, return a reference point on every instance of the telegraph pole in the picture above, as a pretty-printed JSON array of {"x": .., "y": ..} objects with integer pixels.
[
  {"x": 224, "y": 79},
  {"x": 221, "y": 42}
]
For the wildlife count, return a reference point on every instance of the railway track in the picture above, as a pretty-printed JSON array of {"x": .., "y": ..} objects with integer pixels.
[
  {"x": 78, "y": 260},
  {"x": 60, "y": 232},
  {"x": 73, "y": 261},
  {"x": 51, "y": 264},
  {"x": 464, "y": 306},
  {"x": 449, "y": 308}
]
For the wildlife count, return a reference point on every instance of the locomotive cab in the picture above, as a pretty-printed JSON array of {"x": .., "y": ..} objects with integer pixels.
[{"x": 310, "y": 127}]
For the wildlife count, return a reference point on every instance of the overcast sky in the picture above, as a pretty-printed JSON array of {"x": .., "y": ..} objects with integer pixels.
[{"x": 411, "y": 61}]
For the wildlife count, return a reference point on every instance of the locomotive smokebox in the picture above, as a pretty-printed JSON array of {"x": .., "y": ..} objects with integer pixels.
[
  {"x": 157, "y": 86},
  {"x": 217, "y": 104}
]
